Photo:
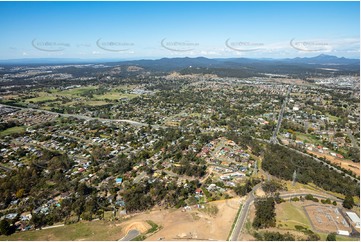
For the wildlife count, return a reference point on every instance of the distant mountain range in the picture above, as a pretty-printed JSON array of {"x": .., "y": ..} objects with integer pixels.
[
  {"x": 185, "y": 61},
  {"x": 248, "y": 66},
  {"x": 239, "y": 67}
]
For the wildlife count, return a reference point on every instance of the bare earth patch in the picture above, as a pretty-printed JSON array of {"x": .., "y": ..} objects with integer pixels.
[
  {"x": 141, "y": 226},
  {"x": 344, "y": 163},
  {"x": 191, "y": 224}
]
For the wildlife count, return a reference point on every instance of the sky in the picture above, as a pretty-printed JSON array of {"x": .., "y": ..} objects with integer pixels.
[{"x": 151, "y": 30}]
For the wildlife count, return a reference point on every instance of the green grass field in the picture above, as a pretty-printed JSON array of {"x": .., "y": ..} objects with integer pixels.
[
  {"x": 307, "y": 137},
  {"x": 48, "y": 98},
  {"x": 13, "y": 130},
  {"x": 95, "y": 230},
  {"x": 41, "y": 98},
  {"x": 75, "y": 91},
  {"x": 289, "y": 215},
  {"x": 95, "y": 103}
]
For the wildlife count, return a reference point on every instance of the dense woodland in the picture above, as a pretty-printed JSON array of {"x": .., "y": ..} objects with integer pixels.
[{"x": 282, "y": 163}]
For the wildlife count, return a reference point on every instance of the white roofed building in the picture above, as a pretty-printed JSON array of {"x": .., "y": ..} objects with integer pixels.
[{"x": 354, "y": 218}]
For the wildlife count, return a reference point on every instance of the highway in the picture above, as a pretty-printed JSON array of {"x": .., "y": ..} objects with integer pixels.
[{"x": 280, "y": 117}]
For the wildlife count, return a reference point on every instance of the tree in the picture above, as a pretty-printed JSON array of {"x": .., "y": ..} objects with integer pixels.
[
  {"x": 38, "y": 220},
  {"x": 265, "y": 214},
  {"x": 272, "y": 186},
  {"x": 78, "y": 206},
  {"x": 348, "y": 202},
  {"x": 20, "y": 193},
  {"x": 331, "y": 237},
  {"x": 6, "y": 228}
]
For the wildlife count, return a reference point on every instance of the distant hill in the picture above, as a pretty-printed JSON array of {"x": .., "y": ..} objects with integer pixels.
[
  {"x": 180, "y": 63},
  {"x": 325, "y": 60},
  {"x": 237, "y": 67}
]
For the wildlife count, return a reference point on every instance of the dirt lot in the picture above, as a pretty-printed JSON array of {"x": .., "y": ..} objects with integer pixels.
[
  {"x": 327, "y": 219},
  {"x": 190, "y": 224},
  {"x": 344, "y": 163}
]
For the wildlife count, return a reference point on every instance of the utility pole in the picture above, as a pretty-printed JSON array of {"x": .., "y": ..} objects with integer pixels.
[{"x": 294, "y": 178}]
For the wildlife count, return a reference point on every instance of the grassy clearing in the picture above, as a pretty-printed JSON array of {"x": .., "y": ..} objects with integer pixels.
[
  {"x": 95, "y": 230},
  {"x": 43, "y": 97},
  {"x": 76, "y": 91},
  {"x": 312, "y": 187},
  {"x": 13, "y": 130},
  {"x": 96, "y": 103},
  {"x": 289, "y": 215},
  {"x": 115, "y": 96},
  {"x": 299, "y": 186},
  {"x": 153, "y": 228},
  {"x": 338, "y": 237},
  {"x": 308, "y": 138}
]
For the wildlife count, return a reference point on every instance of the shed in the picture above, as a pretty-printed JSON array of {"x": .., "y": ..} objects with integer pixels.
[
  {"x": 343, "y": 232},
  {"x": 354, "y": 218}
]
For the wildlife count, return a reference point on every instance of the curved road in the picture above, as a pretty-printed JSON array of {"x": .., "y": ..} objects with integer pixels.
[
  {"x": 243, "y": 214},
  {"x": 130, "y": 235}
]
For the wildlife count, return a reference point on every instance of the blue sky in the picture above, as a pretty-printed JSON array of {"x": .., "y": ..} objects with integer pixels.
[{"x": 133, "y": 30}]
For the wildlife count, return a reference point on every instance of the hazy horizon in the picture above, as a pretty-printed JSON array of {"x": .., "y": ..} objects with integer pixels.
[
  {"x": 153, "y": 30},
  {"x": 158, "y": 58}
]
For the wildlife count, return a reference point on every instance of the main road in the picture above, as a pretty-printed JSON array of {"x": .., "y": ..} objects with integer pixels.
[
  {"x": 243, "y": 214},
  {"x": 79, "y": 116},
  {"x": 280, "y": 117}
]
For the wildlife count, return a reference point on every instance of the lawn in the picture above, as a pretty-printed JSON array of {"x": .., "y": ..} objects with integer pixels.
[
  {"x": 308, "y": 138},
  {"x": 289, "y": 215},
  {"x": 95, "y": 103},
  {"x": 13, "y": 130},
  {"x": 95, "y": 230},
  {"x": 43, "y": 97},
  {"x": 312, "y": 187},
  {"x": 76, "y": 91}
]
